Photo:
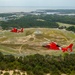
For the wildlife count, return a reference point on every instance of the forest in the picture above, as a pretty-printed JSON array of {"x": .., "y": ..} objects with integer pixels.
[
  {"x": 46, "y": 21},
  {"x": 39, "y": 64}
]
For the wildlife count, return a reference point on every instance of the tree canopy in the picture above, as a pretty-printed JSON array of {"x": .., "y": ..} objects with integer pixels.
[{"x": 38, "y": 64}]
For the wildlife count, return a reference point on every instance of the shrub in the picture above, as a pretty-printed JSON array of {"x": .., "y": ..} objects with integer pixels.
[{"x": 6, "y": 73}]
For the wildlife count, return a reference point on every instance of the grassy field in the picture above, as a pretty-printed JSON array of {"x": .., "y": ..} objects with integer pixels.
[
  {"x": 64, "y": 24},
  {"x": 30, "y": 42}
]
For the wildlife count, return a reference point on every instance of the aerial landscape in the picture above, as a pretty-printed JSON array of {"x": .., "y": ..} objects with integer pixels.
[{"x": 37, "y": 37}]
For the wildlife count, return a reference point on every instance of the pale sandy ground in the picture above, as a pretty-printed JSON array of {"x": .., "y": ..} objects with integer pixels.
[{"x": 11, "y": 72}]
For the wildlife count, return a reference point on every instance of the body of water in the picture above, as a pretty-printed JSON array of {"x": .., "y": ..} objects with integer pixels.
[{"x": 10, "y": 9}]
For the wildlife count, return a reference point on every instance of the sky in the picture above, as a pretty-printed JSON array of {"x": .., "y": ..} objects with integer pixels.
[{"x": 50, "y": 3}]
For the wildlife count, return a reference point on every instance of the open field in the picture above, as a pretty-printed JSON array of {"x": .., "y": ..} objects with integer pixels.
[
  {"x": 32, "y": 39},
  {"x": 64, "y": 24}
]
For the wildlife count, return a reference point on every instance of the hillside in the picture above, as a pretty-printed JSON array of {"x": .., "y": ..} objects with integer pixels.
[{"x": 30, "y": 42}]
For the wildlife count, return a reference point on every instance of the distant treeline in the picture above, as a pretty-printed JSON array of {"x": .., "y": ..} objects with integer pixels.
[
  {"x": 71, "y": 28},
  {"x": 47, "y": 21},
  {"x": 39, "y": 65},
  {"x": 6, "y": 14},
  {"x": 61, "y": 11}
]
